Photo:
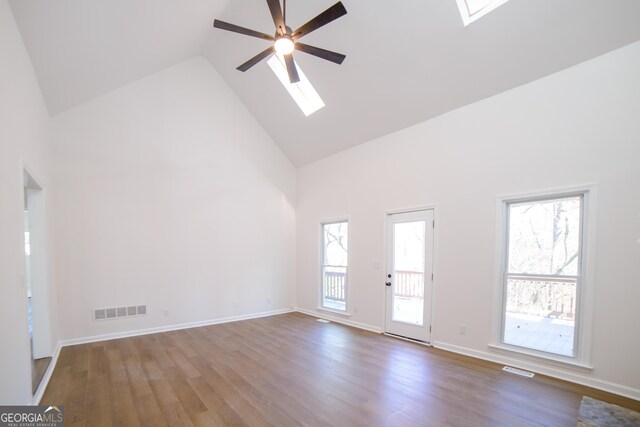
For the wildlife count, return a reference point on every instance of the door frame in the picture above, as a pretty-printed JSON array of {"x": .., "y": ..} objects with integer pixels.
[
  {"x": 383, "y": 275},
  {"x": 34, "y": 192}
]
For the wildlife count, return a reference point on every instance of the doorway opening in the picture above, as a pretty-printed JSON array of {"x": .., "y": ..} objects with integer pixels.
[{"x": 35, "y": 280}]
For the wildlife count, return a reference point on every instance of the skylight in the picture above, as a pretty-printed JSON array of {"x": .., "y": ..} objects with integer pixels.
[
  {"x": 302, "y": 92},
  {"x": 474, "y": 9}
]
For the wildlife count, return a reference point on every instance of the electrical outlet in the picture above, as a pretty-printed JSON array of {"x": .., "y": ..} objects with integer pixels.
[
  {"x": 463, "y": 330},
  {"x": 268, "y": 301},
  {"x": 355, "y": 309},
  {"x": 167, "y": 313},
  {"x": 235, "y": 304}
]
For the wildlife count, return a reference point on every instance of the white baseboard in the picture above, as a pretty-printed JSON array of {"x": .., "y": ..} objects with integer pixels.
[
  {"x": 37, "y": 397},
  {"x": 174, "y": 327},
  {"x": 497, "y": 358},
  {"x": 504, "y": 359},
  {"x": 335, "y": 318},
  {"x": 97, "y": 338},
  {"x": 539, "y": 368}
]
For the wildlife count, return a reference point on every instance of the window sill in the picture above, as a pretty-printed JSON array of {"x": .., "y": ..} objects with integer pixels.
[
  {"x": 334, "y": 311},
  {"x": 535, "y": 356}
]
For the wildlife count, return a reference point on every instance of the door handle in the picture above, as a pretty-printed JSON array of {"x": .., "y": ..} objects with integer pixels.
[{"x": 388, "y": 283}]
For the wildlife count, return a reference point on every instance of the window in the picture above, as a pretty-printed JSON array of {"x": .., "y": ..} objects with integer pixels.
[
  {"x": 474, "y": 9},
  {"x": 543, "y": 273},
  {"x": 334, "y": 265},
  {"x": 302, "y": 92}
]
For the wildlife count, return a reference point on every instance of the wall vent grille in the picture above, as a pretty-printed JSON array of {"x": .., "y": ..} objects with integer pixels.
[
  {"x": 518, "y": 371},
  {"x": 111, "y": 313}
]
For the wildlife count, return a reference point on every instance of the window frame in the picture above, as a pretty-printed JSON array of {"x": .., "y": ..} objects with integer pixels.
[
  {"x": 468, "y": 16},
  {"x": 585, "y": 277},
  {"x": 321, "y": 304}
]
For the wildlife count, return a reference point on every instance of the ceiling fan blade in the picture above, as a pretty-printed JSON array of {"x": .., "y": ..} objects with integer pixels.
[
  {"x": 291, "y": 69},
  {"x": 276, "y": 14},
  {"x": 237, "y": 29},
  {"x": 320, "y": 53},
  {"x": 331, "y": 14},
  {"x": 259, "y": 57}
]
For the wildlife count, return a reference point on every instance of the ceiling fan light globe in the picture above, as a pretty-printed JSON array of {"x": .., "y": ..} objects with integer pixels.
[{"x": 284, "y": 45}]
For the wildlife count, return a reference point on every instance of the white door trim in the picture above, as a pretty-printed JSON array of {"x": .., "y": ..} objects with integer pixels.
[{"x": 425, "y": 333}]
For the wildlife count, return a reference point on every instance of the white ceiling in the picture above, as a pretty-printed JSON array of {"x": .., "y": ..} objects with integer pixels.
[{"x": 407, "y": 61}]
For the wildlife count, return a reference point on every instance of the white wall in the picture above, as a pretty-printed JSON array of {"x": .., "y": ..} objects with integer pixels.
[
  {"x": 169, "y": 193},
  {"x": 23, "y": 143},
  {"x": 579, "y": 126}
]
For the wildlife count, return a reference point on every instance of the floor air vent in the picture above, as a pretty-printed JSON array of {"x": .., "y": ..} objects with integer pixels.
[
  {"x": 518, "y": 372},
  {"x": 323, "y": 320},
  {"x": 119, "y": 312}
]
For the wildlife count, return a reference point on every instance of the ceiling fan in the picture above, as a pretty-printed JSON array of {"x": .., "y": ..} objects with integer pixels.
[{"x": 285, "y": 40}]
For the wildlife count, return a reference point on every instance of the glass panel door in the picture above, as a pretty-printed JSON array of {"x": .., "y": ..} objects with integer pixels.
[
  {"x": 408, "y": 270},
  {"x": 409, "y": 274}
]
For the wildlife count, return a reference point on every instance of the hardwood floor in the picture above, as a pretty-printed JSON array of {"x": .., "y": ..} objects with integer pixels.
[
  {"x": 291, "y": 370},
  {"x": 38, "y": 369}
]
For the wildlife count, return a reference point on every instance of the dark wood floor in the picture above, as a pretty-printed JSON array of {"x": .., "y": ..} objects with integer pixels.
[{"x": 291, "y": 370}]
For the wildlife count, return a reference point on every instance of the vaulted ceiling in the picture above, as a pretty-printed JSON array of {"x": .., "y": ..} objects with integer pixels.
[{"x": 407, "y": 61}]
